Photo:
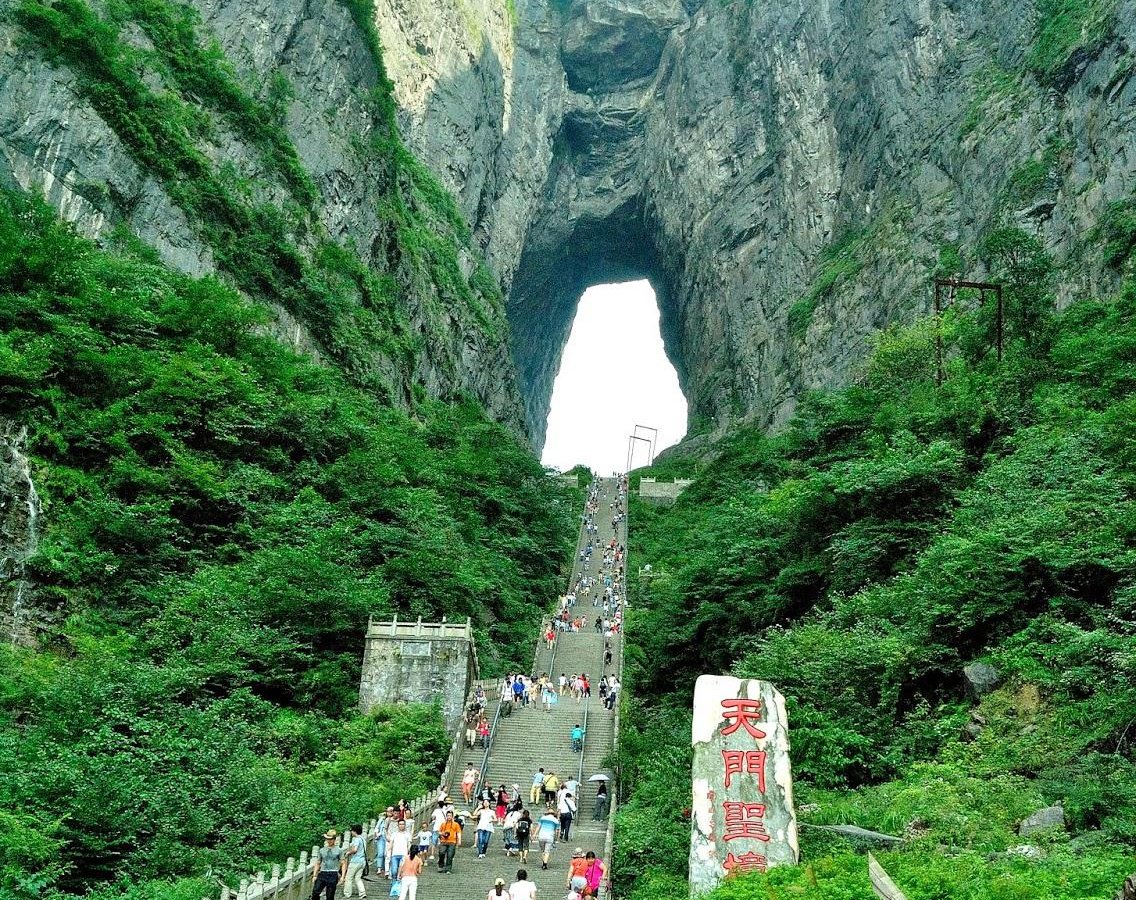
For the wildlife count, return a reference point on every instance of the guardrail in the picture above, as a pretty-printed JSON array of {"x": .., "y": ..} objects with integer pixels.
[{"x": 293, "y": 880}]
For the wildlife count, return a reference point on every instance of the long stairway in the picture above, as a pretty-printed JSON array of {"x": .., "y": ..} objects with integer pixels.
[{"x": 532, "y": 738}]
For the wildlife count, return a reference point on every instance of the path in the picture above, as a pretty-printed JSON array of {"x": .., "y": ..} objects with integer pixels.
[{"x": 532, "y": 738}]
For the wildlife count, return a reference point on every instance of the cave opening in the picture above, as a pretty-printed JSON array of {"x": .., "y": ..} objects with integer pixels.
[{"x": 614, "y": 375}]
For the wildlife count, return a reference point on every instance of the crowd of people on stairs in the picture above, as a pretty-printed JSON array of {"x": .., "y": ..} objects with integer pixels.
[{"x": 402, "y": 847}]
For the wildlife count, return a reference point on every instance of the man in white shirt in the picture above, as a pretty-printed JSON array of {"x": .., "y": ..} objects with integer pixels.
[
  {"x": 399, "y": 848},
  {"x": 437, "y": 817},
  {"x": 567, "y": 809},
  {"x": 522, "y": 888}
]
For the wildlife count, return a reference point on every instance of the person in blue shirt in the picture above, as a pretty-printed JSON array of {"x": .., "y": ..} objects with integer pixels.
[
  {"x": 548, "y": 826},
  {"x": 577, "y": 739}
]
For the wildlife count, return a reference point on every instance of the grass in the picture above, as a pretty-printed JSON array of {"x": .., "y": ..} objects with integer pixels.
[
  {"x": 841, "y": 260},
  {"x": 1065, "y": 27}
]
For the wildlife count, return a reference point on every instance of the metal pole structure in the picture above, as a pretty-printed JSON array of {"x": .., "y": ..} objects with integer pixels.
[
  {"x": 954, "y": 284},
  {"x": 1001, "y": 318},
  {"x": 938, "y": 334},
  {"x": 654, "y": 439},
  {"x": 631, "y": 439}
]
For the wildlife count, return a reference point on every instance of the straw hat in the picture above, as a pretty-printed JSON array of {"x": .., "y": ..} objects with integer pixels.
[{"x": 331, "y": 834}]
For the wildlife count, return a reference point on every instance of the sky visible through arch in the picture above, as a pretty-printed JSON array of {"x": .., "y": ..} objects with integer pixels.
[{"x": 614, "y": 375}]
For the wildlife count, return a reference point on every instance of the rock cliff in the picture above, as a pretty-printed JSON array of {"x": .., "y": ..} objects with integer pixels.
[
  {"x": 789, "y": 176},
  {"x": 363, "y": 261}
]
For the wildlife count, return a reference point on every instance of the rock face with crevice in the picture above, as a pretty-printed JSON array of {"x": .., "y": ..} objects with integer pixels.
[{"x": 787, "y": 175}]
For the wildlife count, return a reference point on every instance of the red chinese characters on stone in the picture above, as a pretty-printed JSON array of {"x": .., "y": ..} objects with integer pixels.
[
  {"x": 746, "y": 862},
  {"x": 750, "y": 762},
  {"x": 742, "y": 713},
  {"x": 745, "y": 821}
]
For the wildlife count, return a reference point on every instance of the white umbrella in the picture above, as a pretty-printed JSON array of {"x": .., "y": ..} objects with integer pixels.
[{"x": 600, "y": 777}]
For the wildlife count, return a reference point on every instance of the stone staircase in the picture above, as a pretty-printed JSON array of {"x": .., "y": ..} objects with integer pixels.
[{"x": 531, "y": 738}]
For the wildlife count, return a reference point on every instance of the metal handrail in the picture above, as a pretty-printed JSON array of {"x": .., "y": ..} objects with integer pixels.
[{"x": 551, "y": 666}]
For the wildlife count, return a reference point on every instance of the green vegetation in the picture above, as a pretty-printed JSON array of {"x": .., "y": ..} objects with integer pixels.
[
  {"x": 895, "y": 532},
  {"x": 275, "y": 251},
  {"x": 993, "y": 85},
  {"x": 1065, "y": 27},
  {"x": 1030, "y": 180},
  {"x": 221, "y": 518},
  {"x": 841, "y": 260}
]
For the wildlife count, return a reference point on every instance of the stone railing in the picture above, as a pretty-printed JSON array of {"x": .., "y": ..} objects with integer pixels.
[
  {"x": 293, "y": 879},
  {"x": 662, "y": 491}
]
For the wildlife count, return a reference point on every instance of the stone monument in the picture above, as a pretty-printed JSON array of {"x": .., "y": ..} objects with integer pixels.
[
  {"x": 419, "y": 662},
  {"x": 742, "y": 816}
]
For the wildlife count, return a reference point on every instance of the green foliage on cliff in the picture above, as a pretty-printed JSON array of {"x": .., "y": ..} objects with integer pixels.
[
  {"x": 839, "y": 261},
  {"x": 171, "y": 107},
  {"x": 221, "y": 518},
  {"x": 1065, "y": 27},
  {"x": 895, "y": 532}
]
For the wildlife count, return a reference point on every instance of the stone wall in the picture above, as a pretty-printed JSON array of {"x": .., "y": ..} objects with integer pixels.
[
  {"x": 662, "y": 491},
  {"x": 417, "y": 662}
]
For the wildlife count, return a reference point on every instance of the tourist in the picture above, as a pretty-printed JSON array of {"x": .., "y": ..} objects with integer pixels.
[
  {"x": 449, "y": 839},
  {"x": 576, "y": 880},
  {"x": 484, "y": 818},
  {"x": 509, "y": 836},
  {"x": 425, "y": 840},
  {"x": 356, "y": 860},
  {"x": 537, "y": 785},
  {"x": 469, "y": 782},
  {"x": 546, "y": 834},
  {"x": 522, "y": 888},
  {"x": 381, "y": 830},
  {"x": 551, "y": 786},
  {"x": 471, "y": 718},
  {"x": 567, "y": 809},
  {"x": 408, "y": 874},
  {"x": 399, "y": 847},
  {"x": 577, "y": 738},
  {"x": 498, "y": 892},
  {"x": 328, "y": 867},
  {"x": 523, "y": 833},
  {"x": 600, "y": 812},
  {"x": 502, "y": 804},
  {"x": 593, "y": 872},
  {"x": 436, "y": 819}
]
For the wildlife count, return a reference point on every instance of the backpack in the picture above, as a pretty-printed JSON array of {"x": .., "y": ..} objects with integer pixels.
[{"x": 522, "y": 828}]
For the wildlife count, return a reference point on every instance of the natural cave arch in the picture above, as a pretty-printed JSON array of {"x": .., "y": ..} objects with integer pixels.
[{"x": 559, "y": 264}]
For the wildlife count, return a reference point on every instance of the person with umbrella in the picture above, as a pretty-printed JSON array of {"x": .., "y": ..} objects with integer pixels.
[{"x": 600, "y": 811}]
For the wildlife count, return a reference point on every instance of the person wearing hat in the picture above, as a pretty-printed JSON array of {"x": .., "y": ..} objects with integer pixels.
[
  {"x": 328, "y": 866},
  {"x": 577, "y": 880},
  {"x": 498, "y": 892},
  {"x": 546, "y": 833}
]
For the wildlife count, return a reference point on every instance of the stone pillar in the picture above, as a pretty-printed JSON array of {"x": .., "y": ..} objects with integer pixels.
[
  {"x": 419, "y": 662},
  {"x": 742, "y": 815}
]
